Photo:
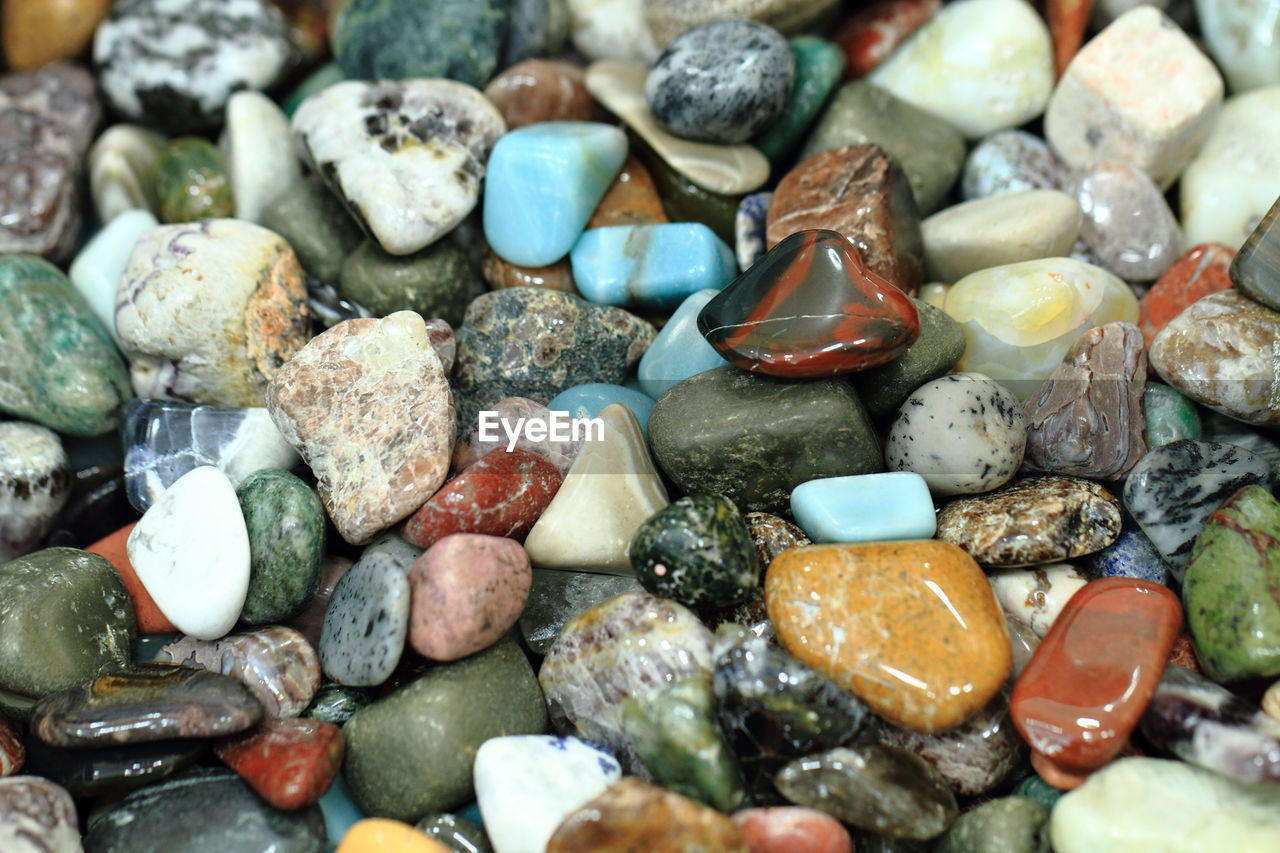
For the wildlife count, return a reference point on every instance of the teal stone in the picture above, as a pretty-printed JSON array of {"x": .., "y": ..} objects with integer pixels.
[
  {"x": 319, "y": 80},
  {"x": 1170, "y": 415},
  {"x": 819, "y": 66},
  {"x": 58, "y": 366},
  {"x": 438, "y": 281},
  {"x": 1009, "y": 824},
  {"x": 650, "y": 266},
  {"x": 285, "y": 520},
  {"x": 410, "y": 754},
  {"x": 675, "y": 733},
  {"x": 1039, "y": 790},
  {"x": 65, "y": 618},
  {"x": 314, "y": 223},
  {"x": 865, "y": 508},
  {"x": 589, "y": 400},
  {"x": 401, "y": 39},
  {"x": 679, "y": 350},
  {"x": 939, "y": 347},
  {"x": 697, "y": 551},
  {"x": 337, "y": 703},
  {"x": 542, "y": 183},
  {"x": 338, "y": 806}
]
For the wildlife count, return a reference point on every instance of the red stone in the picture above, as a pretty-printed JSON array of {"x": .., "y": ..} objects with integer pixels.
[
  {"x": 1069, "y": 780},
  {"x": 872, "y": 34},
  {"x": 289, "y": 762},
  {"x": 538, "y": 90},
  {"x": 1067, "y": 22},
  {"x": 150, "y": 619},
  {"x": 1203, "y": 270},
  {"x": 1183, "y": 653},
  {"x": 12, "y": 753},
  {"x": 792, "y": 829},
  {"x": 1090, "y": 680},
  {"x": 502, "y": 494}
]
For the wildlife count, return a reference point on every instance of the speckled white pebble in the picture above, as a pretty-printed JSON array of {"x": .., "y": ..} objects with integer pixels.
[{"x": 1036, "y": 595}]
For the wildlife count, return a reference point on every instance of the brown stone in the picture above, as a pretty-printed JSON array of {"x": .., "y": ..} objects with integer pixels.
[
  {"x": 1067, "y": 21},
  {"x": 772, "y": 535},
  {"x": 635, "y": 815},
  {"x": 861, "y": 192},
  {"x": 632, "y": 199},
  {"x": 537, "y": 90},
  {"x": 37, "y": 32},
  {"x": 502, "y": 274}
]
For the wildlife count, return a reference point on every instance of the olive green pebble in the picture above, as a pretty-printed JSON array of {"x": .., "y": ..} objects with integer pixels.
[
  {"x": 438, "y": 281},
  {"x": 1009, "y": 824},
  {"x": 314, "y": 222},
  {"x": 940, "y": 345},
  {"x": 192, "y": 182},
  {"x": 285, "y": 520},
  {"x": 697, "y": 551}
]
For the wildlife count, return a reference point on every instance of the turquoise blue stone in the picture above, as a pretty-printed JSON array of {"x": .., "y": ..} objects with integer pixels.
[
  {"x": 865, "y": 508},
  {"x": 650, "y": 266},
  {"x": 679, "y": 351},
  {"x": 588, "y": 401},
  {"x": 339, "y": 809},
  {"x": 542, "y": 183}
]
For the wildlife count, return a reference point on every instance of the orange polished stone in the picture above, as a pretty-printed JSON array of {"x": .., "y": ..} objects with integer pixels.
[
  {"x": 632, "y": 199},
  {"x": 538, "y": 90},
  {"x": 37, "y": 32},
  {"x": 382, "y": 835},
  {"x": 1092, "y": 676},
  {"x": 150, "y": 619},
  {"x": 1067, "y": 22},
  {"x": 502, "y": 274},
  {"x": 872, "y": 33},
  {"x": 912, "y": 628},
  {"x": 1201, "y": 271}
]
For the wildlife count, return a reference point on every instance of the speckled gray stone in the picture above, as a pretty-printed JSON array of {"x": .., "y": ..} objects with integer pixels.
[
  {"x": 1010, "y": 161},
  {"x": 721, "y": 82}
]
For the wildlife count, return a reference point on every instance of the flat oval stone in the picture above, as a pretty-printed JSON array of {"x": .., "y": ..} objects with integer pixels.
[
  {"x": 635, "y": 815},
  {"x": 722, "y": 82},
  {"x": 402, "y": 39},
  {"x": 540, "y": 90},
  {"x": 1126, "y": 221},
  {"x": 1204, "y": 269},
  {"x": 697, "y": 551},
  {"x": 791, "y": 829},
  {"x": 878, "y": 788},
  {"x": 1033, "y": 520},
  {"x": 813, "y": 592},
  {"x": 1002, "y": 229},
  {"x": 1036, "y": 597},
  {"x": 1011, "y": 161},
  {"x": 37, "y": 816},
  {"x": 277, "y": 664},
  {"x": 650, "y": 266},
  {"x": 35, "y": 483},
  {"x": 290, "y": 763},
  {"x": 146, "y": 703},
  {"x": 865, "y": 508}
]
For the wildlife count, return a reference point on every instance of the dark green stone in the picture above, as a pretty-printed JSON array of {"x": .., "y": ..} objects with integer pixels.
[
  {"x": 337, "y": 703},
  {"x": 192, "y": 182},
  {"x": 1170, "y": 415},
  {"x": 819, "y": 67},
  {"x": 941, "y": 344},
  {"x": 399, "y": 39},
  {"x": 438, "y": 281},
  {"x": 65, "y": 618},
  {"x": 410, "y": 754},
  {"x": 753, "y": 438},
  {"x": 698, "y": 552},
  {"x": 675, "y": 734},
  {"x": 685, "y": 201},
  {"x": 317, "y": 81},
  {"x": 456, "y": 833},
  {"x": 1009, "y": 824},
  {"x": 313, "y": 221},
  {"x": 58, "y": 366},
  {"x": 1230, "y": 588},
  {"x": 285, "y": 520},
  {"x": 1039, "y": 790}
]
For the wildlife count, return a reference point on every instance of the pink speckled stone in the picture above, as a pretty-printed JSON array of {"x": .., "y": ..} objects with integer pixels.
[{"x": 792, "y": 829}]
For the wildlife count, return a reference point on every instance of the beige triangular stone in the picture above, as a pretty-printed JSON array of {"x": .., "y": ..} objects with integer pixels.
[{"x": 609, "y": 492}]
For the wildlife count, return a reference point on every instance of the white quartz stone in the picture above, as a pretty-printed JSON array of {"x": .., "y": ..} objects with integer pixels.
[
  {"x": 612, "y": 29},
  {"x": 35, "y": 483},
  {"x": 1036, "y": 596},
  {"x": 122, "y": 170},
  {"x": 983, "y": 65},
  {"x": 998, "y": 230},
  {"x": 191, "y": 552},
  {"x": 258, "y": 150},
  {"x": 527, "y": 784},
  {"x": 97, "y": 269},
  {"x": 1244, "y": 37}
]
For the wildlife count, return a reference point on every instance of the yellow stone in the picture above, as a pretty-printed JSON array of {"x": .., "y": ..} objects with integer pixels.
[
  {"x": 380, "y": 835},
  {"x": 912, "y": 628},
  {"x": 37, "y": 32}
]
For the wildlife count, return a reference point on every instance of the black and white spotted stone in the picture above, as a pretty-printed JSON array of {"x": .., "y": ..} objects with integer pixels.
[{"x": 35, "y": 482}]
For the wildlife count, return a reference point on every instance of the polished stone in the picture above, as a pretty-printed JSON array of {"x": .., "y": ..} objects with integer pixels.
[
  {"x": 1002, "y": 229},
  {"x": 1204, "y": 269},
  {"x": 35, "y": 484},
  {"x": 1256, "y": 269},
  {"x": 1011, "y": 161},
  {"x": 277, "y": 664},
  {"x": 1127, "y": 222},
  {"x": 540, "y": 90},
  {"x": 653, "y": 267},
  {"x": 635, "y": 815},
  {"x": 865, "y": 508}
]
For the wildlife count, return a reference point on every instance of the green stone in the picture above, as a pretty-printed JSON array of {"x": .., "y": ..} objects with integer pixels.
[
  {"x": 1230, "y": 588},
  {"x": 410, "y": 754},
  {"x": 941, "y": 344},
  {"x": 192, "y": 182},
  {"x": 317, "y": 81},
  {"x": 685, "y": 201},
  {"x": 314, "y": 223},
  {"x": 753, "y": 438},
  {"x": 285, "y": 520},
  {"x": 399, "y": 39},
  {"x": 697, "y": 551},
  {"x": 1039, "y": 790},
  {"x": 675, "y": 734},
  {"x": 65, "y": 618},
  {"x": 337, "y": 703},
  {"x": 1170, "y": 415},
  {"x": 1009, "y": 824},
  {"x": 819, "y": 67},
  {"x": 58, "y": 366},
  {"x": 438, "y": 281},
  {"x": 930, "y": 151}
]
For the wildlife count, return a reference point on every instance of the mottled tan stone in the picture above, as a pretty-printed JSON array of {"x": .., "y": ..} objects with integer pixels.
[
  {"x": 368, "y": 406},
  {"x": 537, "y": 90},
  {"x": 635, "y": 815}
]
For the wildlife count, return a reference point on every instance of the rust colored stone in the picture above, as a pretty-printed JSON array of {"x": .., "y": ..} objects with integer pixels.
[
  {"x": 150, "y": 619},
  {"x": 289, "y": 762},
  {"x": 1067, "y": 22},
  {"x": 503, "y": 274},
  {"x": 635, "y": 815},
  {"x": 792, "y": 829},
  {"x": 1202, "y": 270},
  {"x": 861, "y": 192},
  {"x": 872, "y": 33},
  {"x": 538, "y": 90},
  {"x": 1183, "y": 653},
  {"x": 632, "y": 199}
]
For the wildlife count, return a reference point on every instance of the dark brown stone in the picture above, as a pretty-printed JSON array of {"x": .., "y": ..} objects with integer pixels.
[
  {"x": 537, "y": 90},
  {"x": 502, "y": 274}
]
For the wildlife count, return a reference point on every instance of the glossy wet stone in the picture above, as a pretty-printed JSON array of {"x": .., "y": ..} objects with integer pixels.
[
  {"x": 38, "y": 33},
  {"x": 558, "y": 596},
  {"x": 652, "y": 267},
  {"x": 865, "y": 508},
  {"x": 37, "y": 816},
  {"x": 1170, "y": 415},
  {"x": 104, "y": 771},
  {"x": 1012, "y": 824},
  {"x": 436, "y": 281},
  {"x": 220, "y": 812},
  {"x": 1204, "y": 269},
  {"x": 696, "y": 551},
  {"x": 618, "y": 649},
  {"x": 819, "y": 66},
  {"x": 1033, "y": 520},
  {"x": 290, "y": 763},
  {"x": 146, "y": 703},
  {"x": 285, "y": 523},
  {"x": 1091, "y": 678},
  {"x": 1256, "y": 269},
  {"x": 1010, "y": 161},
  {"x": 455, "y": 833},
  {"x": 635, "y": 815},
  {"x": 1233, "y": 615},
  {"x": 714, "y": 434},
  {"x": 397, "y": 764},
  {"x": 812, "y": 592},
  {"x": 1126, "y": 220},
  {"x": 377, "y": 834},
  {"x": 1174, "y": 489},
  {"x": 35, "y": 483},
  {"x": 192, "y": 182},
  {"x": 780, "y": 829},
  {"x": 337, "y": 703},
  {"x": 1036, "y": 597},
  {"x": 277, "y": 664},
  {"x": 538, "y": 90},
  {"x": 631, "y": 199},
  {"x": 378, "y": 40},
  {"x": 878, "y": 788}
]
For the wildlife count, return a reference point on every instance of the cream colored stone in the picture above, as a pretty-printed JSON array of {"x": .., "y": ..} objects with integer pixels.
[
  {"x": 1035, "y": 596},
  {"x": 258, "y": 150},
  {"x": 122, "y": 170},
  {"x": 1271, "y": 700},
  {"x": 612, "y": 29},
  {"x": 1003, "y": 229},
  {"x": 1244, "y": 37}
]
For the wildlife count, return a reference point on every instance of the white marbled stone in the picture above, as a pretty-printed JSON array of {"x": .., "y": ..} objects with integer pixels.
[
  {"x": 35, "y": 483},
  {"x": 1244, "y": 37},
  {"x": 406, "y": 156},
  {"x": 1001, "y": 229},
  {"x": 122, "y": 170},
  {"x": 191, "y": 552},
  {"x": 983, "y": 65},
  {"x": 527, "y": 784},
  {"x": 612, "y": 29},
  {"x": 964, "y": 433},
  {"x": 257, "y": 147},
  {"x": 37, "y": 816},
  {"x": 1035, "y": 596},
  {"x": 97, "y": 269}
]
